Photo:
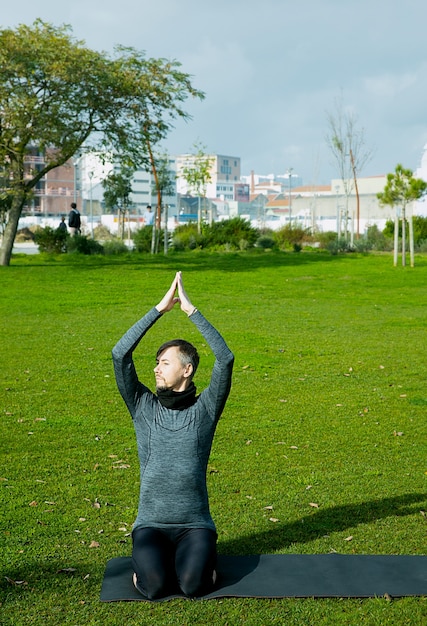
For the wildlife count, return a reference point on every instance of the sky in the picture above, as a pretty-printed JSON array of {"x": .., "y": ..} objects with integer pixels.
[{"x": 272, "y": 71}]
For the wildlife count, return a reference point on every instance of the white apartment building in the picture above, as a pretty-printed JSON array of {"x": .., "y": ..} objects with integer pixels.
[{"x": 225, "y": 173}]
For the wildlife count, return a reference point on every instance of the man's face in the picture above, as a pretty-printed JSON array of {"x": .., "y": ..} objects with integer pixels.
[{"x": 170, "y": 372}]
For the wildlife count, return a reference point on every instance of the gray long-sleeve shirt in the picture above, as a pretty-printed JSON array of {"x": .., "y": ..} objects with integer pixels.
[{"x": 173, "y": 445}]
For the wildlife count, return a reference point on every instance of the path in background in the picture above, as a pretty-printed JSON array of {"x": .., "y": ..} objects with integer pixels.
[{"x": 25, "y": 248}]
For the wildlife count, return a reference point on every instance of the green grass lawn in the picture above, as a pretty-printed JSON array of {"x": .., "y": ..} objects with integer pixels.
[{"x": 322, "y": 445}]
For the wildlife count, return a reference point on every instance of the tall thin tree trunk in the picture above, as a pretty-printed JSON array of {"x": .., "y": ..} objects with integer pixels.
[
  {"x": 403, "y": 237},
  {"x": 153, "y": 237},
  {"x": 166, "y": 236},
  {"x": 158, "y": 214},
  {"x": 411, "y": 240},
  {"x": 396, "y": 238},
  {"x": 356, "y": 188}
]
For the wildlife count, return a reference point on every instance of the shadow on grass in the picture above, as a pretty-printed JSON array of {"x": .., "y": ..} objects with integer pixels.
[
  {"x": 46, "y": 573},
  {"x": 199, "y": 261},
  {"x": 321, "y": 523}
]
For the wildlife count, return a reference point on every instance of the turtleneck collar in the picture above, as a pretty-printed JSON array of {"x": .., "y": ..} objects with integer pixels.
[{"x": 177, "y": 400}]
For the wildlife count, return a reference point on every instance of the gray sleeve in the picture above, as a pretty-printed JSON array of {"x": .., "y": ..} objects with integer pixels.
[
  {"x": 216, "y": 394},
  {"x": 131, "y": 389}
]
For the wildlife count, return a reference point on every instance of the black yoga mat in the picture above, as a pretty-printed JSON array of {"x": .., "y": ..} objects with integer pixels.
[{"x": 293, "y": 576}]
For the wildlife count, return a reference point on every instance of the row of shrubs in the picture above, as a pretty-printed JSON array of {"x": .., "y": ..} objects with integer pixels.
[{"x": 233, "y": 234}]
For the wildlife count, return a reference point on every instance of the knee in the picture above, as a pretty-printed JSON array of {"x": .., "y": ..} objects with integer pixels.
[
  {"x": 157, "y": 592},
  {"x": 193, "y": 584},
  {"x": 153, "y": 588}
]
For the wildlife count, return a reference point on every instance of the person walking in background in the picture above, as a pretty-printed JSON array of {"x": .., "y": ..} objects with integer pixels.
[
  {"x": 74, "y": 221},
  {"x": 174, "y": 536}
]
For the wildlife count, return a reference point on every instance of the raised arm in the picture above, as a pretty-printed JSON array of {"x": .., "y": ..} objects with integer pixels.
[
  {"x": 127, "y": 380},
  {"x": 216, "y": 394},
  {"x": 131, "y": 388},
  {"x": 124, "y": 369}
]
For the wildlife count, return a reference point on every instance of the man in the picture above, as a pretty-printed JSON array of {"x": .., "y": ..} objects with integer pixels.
[
  {"x": 74, "y": 221},
  {"x": 174, "y": 536},
  {"x": 149, "y": 216}
]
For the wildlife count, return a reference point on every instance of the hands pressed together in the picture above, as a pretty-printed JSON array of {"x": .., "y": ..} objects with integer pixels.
[{"x": 170, "y": 298}]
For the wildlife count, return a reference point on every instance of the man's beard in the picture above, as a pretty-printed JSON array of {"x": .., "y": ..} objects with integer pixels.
[{"x": 162, "y": 387}]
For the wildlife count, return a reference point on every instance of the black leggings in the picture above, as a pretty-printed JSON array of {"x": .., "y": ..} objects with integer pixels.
[{"x": 168, "y": 561}]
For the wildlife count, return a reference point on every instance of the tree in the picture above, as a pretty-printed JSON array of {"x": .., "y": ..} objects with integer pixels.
[
  {"x": 57, "y": 95},
  {"x": 157, "y": 102},
  {"x": 347, "y": 144},
  {"x": 197, "y": 174},
  {"x": 117, "y": 188},
  {"x": 164, "y": 185},
  {"x": 401, "y": 189}
]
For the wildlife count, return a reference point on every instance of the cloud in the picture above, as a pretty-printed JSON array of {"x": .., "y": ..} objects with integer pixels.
[
  {"x": 389, "y": 85},
  {"x": 271, "y": 70}
]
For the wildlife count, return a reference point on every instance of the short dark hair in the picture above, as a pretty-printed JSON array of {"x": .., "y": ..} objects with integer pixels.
[
  {"x": 187, "y": 352},
  {"x": 73, "y": 205}
]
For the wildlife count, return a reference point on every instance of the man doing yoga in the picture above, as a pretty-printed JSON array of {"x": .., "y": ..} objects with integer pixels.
[{"x": 174, "y": 536}]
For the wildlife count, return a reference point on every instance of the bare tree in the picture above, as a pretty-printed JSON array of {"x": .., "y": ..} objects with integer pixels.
[{"x": 347, "y": 144}]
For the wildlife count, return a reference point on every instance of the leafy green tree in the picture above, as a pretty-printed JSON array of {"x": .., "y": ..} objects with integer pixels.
[
  {"x": 164, "y": 185},
  {"x": 197, "y": 174},
  {"x": 401, "y": 189},
  {"x": 56, "y": 95},
  {"x": 117, "y": 188},
  {"x": 164, "y": 179}
]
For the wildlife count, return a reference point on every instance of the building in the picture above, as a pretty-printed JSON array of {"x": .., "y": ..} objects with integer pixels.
[
  {"x": 327, "y": 207},
  {"x": 225, "y": 176},
  {"x": 54, "y": 192},
  {"x": 266, "y": 200},
  {"x": 92, "y": 170},
  {"x": 270, "y": 183}
]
